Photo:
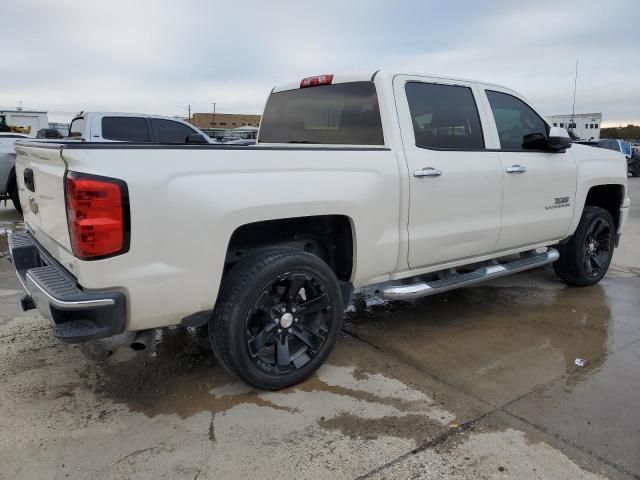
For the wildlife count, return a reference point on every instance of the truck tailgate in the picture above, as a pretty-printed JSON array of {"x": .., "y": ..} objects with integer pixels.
[{"x": 40, "y": 172}]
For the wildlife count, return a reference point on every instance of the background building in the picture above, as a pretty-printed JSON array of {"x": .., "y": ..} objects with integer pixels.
[
  {"x": 586, "y": 126},
  {"x": 224, "y": 121},
  {"x": 226, "y": 125}
]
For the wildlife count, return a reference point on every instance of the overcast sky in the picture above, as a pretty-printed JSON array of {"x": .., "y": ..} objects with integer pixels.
[{"x": 159, "y": 56}]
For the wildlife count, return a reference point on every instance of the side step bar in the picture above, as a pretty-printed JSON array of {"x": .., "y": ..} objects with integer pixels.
[{"x": 457, "y": 280}]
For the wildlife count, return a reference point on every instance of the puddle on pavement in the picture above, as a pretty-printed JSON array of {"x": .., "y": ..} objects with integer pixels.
[
  {"x": 501, "y": 341},
  {"x": 10, "y": 221},
  {"x": 179, "y": 375}
]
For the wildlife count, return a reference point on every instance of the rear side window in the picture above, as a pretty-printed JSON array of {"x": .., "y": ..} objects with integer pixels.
[
  {"x": 125, "y": 129},
  {"x": 519, "y": 126},
  {"x": 76, "y": 129},
  {"x": 344, "y": 113},
  {"x": 168, "y": 131},
  {"x": 444, "y": 116}
]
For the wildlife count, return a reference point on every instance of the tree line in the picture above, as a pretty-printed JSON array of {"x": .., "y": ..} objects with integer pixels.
[{"x": 630, "y": 132}]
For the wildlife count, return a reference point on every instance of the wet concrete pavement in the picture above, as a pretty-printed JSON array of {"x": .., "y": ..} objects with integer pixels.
[{"x": 475, "y": 383}]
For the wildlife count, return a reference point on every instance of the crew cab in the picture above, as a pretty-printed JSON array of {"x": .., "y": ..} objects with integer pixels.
[
  {"x": 133, "y": 127},
  {"x": 416, "y": 183}
]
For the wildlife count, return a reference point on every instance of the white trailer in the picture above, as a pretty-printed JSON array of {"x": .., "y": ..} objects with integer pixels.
[{"x": 30, "y": 119}]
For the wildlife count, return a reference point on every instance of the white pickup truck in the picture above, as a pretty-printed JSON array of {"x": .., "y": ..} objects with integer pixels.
[
  {"x": 133, "y": 127},
  {"x": 420, "y": 184}
]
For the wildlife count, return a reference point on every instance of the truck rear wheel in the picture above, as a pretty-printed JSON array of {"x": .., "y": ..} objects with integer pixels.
[
  {"x": 585, "y": 259},
  {"x": 277, "y": 319}
]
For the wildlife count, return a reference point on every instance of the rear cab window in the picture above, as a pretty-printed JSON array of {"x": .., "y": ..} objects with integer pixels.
[
  {"x": 76, "y": 129},
  {"x": 125, "y": 129},
  {"x": 337, "y": 114}
]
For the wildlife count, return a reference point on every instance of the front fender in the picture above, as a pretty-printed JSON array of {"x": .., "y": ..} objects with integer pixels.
[{"x": 597, "y": 166}]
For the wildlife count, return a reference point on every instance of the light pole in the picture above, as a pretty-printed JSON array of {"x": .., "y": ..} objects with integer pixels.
[{"x": 213, "y": 120}]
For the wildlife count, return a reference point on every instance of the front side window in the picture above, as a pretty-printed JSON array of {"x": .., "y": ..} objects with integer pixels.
[
  {"x": 125, "y": 129},
  {"x": 444, "y": 116},
  {"x": 169, "y": 131},
  {"x": 339, "y": 114},
  {"x": 519, "y": 126},
  {"x": 76, "y": 129}
]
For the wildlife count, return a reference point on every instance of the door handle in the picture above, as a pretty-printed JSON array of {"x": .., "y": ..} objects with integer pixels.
[
  {"x": 516, "y": 169},
  {"x": 427, "y": 172}
]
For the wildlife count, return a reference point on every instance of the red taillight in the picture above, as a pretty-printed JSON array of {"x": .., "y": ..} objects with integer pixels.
[
  {"x": 315, "y": 81},
  {"x": 97, "y": 214}
]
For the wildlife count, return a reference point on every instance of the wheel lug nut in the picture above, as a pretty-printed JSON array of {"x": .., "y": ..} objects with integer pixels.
[
  {"x": 290, "y": 330},
  {"x": 279, "y": 330},
  {"x": 295, "y": 319}
]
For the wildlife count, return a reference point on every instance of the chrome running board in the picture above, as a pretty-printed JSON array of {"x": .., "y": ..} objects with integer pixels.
[{"x": 454, "y": 280}]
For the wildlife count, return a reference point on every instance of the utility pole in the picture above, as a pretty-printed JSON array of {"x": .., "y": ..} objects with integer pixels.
[
  {"x": 575, "y": 84},
  {"x": 213, "y": 120},
  {"x": 189, "y": 119}
]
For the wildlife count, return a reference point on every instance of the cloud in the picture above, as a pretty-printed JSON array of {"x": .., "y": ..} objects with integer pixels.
[{"x": 161, "y": 55}]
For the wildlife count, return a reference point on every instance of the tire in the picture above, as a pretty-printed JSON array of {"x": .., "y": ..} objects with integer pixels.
[
  {"x": 277, "y": 318},
  {"x": 586, "y": 257},
  {"x": 15, "y": 198}
]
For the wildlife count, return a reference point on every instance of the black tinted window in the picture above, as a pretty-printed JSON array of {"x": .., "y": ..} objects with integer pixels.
[
  {"x": 519, "y": 127},
  {"x": 76, "y": 129},
  {"x": 345, "y": 113},
  {"x": 169, "y": 131},
  {"x": 444, "y": 116},
  {"x": 125, "y": 129}
]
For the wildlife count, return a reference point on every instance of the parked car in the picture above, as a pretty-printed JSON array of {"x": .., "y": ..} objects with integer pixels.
[
  {"x": 133, "y": 127},
  {"x": 633, "y": 162},
  {"x": 8, "y": 184},
  {"x": 413, "y": 183},
  {"x": 240, "y": 141}
]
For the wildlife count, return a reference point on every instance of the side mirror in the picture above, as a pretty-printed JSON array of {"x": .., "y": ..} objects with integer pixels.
[
  {"x": 559, "y": 139},
  {"x": 197, "y": 138}
]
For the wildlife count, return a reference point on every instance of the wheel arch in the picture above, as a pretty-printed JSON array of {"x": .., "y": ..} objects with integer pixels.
[
  {"x": 608, "y": 196},
  {"x": 331, "y": 237}
]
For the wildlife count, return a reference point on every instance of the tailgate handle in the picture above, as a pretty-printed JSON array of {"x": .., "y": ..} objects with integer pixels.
[{"x": 28, "y": 179}]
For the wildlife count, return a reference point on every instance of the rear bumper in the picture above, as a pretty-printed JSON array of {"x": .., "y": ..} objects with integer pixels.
[{"x": 76, "y": 315}]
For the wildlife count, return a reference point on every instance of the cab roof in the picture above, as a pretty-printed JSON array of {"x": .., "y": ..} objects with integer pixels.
[{"x": 370, "y": 75}]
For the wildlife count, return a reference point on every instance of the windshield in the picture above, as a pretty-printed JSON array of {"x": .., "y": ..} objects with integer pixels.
[{"x": 345, "y": 113}]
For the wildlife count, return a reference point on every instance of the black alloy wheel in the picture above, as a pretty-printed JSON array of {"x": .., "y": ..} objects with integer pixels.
[
  {"x": 597, "y": 248},
  {"x": 586, "y": 256},
  {"x": 277, "y": 318},
  {"x": 289, "y": 322}
]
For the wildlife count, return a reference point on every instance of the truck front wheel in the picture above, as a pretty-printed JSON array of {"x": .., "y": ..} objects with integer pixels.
[
  {"x": 277, "y": 318},
  {"x": 585, "y": 259}
]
